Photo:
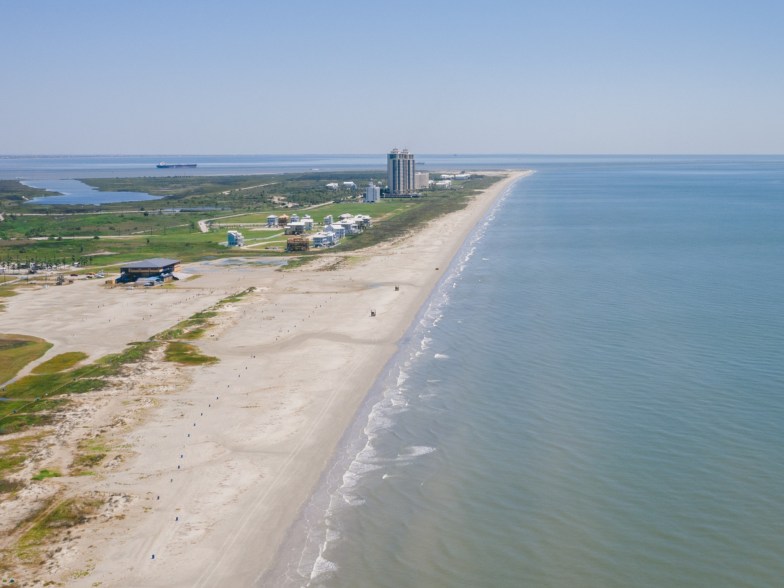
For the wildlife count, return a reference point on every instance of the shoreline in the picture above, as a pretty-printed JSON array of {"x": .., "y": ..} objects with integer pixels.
[
  {"x": 299, "y": 545},
  {"x": 213, "y": 465},
  {"x": 279, "y": 568}
]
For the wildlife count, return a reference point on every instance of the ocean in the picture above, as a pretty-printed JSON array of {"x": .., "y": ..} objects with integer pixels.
[{"x": 593, "y": 397}]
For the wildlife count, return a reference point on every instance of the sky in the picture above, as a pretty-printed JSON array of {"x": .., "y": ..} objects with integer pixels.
[{"x": 362, "y": 76}]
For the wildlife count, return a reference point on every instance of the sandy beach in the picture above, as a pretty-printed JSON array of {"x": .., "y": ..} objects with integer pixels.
[{"x": 209, "y": 466}]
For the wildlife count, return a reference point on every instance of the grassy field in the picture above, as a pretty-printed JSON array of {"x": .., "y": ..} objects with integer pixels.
[
  {"x": 16, "y": 351},
  {"x": 101, "y": 239}
]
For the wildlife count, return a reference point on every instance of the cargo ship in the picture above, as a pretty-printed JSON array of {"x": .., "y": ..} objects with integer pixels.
[{"x": 164, "y": 165}]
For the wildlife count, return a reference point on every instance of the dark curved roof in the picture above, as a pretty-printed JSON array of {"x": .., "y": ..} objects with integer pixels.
[{"x": 152, "y": 263}]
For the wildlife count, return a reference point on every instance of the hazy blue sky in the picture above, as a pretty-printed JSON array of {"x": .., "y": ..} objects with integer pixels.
[{"x": 360, "y": 76}]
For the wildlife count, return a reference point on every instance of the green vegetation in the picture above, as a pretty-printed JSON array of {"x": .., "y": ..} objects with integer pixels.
[
  {"x": 64, "y": 234},
  {"x": 53, "y": 518},
  {"x": 5, "y": 292},
  {"x": 296, "y": 262},
  {"x": 13, "y": 453},
  {"x": 13, "y": 192},
  {"x": 186, "y": 354},
  {"x": 60, "y": 363},
  {"x": 36, "y": 398},
  {"x": 43, "y": 474},
  {"x": 234, "y": 298},
  {"x": 91, "y": 452},
  {"x": 195, "y": 326},
  {"x": 16, "y": 351},
  {"x": 191, "y": 328}
]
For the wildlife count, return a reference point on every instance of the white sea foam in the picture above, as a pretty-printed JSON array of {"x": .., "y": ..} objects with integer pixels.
[
  {"x": 322, "y": 566},
  {"x": 377, "y": 423},
  {"x": 332, "y": 536},
  {"x": 352, "y": 499},
  {"x": 396, "y": 399},
  {"x": 416, "y": 451}
]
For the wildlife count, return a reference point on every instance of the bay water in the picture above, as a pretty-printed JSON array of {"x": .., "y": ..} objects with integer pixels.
[{"x": 593, "y": 397}]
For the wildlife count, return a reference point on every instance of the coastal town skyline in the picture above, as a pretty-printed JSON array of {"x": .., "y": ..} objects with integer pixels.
[{"x": 352, "y": 77}]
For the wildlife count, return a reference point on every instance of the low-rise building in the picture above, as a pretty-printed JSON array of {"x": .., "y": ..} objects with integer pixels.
[
  {"x": 324, "y": 239},
  {"x": 295, "y": 228},
  {"x": 338, "y": 230},
  {"x": 235, "y": 239},
  {"x": 148, "y": 268}
]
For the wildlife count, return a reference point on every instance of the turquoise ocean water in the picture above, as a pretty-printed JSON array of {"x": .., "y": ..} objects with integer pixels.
[{"x": 594, "y": 396}]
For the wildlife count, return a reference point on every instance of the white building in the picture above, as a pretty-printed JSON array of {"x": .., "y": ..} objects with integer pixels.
[
  {"x": 272, "y": 221},
  {"x": 373, "y": 193},
  {"x": 421, "y": 180},
  {"x": 350, "y": 185},
  {"x": 443, "y": 184},
  {"x": 324, "y": 239},
  {"x": 333, "y": 186},
  {"x": 338, "y": 230},
  {"x": 363, "y": 221}
]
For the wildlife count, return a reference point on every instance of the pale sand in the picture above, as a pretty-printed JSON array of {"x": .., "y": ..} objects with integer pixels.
[{"x": 252, "y": 434}]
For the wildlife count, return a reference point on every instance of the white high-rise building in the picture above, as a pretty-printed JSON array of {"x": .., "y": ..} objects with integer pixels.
[
  {"x": 421, "y": 180},
  {"x": 400, "y": 171}
]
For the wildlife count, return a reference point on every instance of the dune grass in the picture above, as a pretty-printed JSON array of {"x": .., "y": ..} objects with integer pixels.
[
  {"x": 36, "y": 398},
  {"x": 54, "y": 517},
  {"x": 13, "y": 454},
  {"x": 90, "y": 453},
  {"x": 60, "y": 363},
  {"x": 43, "y": 474},
  {"x": 186, "y": 354}
]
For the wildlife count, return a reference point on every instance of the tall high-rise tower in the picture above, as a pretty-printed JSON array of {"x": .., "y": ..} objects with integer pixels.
[{"x": 400, "y": 171}]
